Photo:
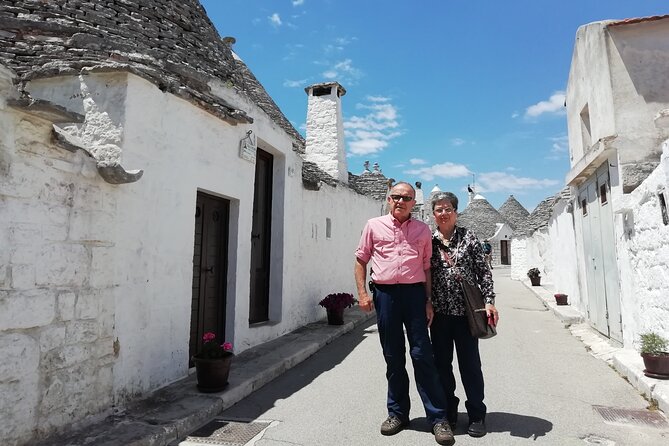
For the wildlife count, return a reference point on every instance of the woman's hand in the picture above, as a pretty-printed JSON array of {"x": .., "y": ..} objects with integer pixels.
[
  {"x": 429, "y": 312},
  {"x": 491, "y": 310}
]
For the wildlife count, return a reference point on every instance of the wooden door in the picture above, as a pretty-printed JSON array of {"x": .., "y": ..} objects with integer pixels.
[
  {"x": 504, "y": 252},
  {"x": 210, "y": 267},
  {"x": 609, "y": 257},
  {"x": 261, "y": 238},
  {"x": 601, "y": 270}
]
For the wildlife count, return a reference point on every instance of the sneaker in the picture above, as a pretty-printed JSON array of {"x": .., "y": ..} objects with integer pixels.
[
  {"x": 393, "y": 425},
  {"x": 443, "y": 433},
  {"x": 477, "y": 429}
]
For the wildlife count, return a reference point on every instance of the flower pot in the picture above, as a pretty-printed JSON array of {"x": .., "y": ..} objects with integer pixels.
[
  {"x": 657, "y": 366},
  {"x": 212, "y": 374},
  {"x": 536, "y": 281},
  {"x": 336, "y": 317},
  {"x": 561, "y": 299}
]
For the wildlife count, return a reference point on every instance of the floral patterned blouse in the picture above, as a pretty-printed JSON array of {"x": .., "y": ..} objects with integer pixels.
[{"x": 459, "y": 257}]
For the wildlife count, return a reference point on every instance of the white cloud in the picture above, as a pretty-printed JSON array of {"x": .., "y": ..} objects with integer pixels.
[
  {"x": 298, "y": 2},
  {"x": 344, "y": 72},
  {"x": 560, "y": 144},
  {"x": 506, "y": 182},
  {"x": 458, "y": 141},
  {"x": 377, "y": 99},
  {"x": 554, "y": 105},
  {"x": 559, "y": 147},
  {"x": 417, "y": 161},
  {"x": 275, "y": 19},
  {"x": 514, "y": 115},
  {"x": 294, "y": 84},
  {"x": 371, "y": 133},
  {"x": 444, "y": 170}
]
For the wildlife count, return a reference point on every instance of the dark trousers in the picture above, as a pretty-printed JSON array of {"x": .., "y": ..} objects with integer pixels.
[
  {"x": 399, "y": 307},
  {"x": 447, "y": 331}
]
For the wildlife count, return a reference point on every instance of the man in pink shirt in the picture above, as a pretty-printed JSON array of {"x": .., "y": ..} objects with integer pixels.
[{"x": 399, "y": 249}]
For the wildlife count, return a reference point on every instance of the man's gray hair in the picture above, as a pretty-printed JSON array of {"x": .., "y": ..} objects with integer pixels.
[{"x": 444, "y": 196}]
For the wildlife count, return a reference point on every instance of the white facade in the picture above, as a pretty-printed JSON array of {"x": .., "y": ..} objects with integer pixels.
[{"x": 96, "y": 278}]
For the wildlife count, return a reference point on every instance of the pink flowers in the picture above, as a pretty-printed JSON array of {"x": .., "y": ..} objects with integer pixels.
[
  {"x": 209, "y": 336},
  {"x": 212, "y": 349}
]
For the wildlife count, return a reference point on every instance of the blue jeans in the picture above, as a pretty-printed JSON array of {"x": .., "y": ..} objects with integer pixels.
[
  {"x": 445, "y": 332},
  {"x": 399, "y": 306}
]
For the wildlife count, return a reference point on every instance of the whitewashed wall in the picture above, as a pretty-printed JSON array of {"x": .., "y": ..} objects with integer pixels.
[
  {"x": 564, "y": 274},
  {"x": 643, "y": 257},
  {"x": 95, "y": 279}
]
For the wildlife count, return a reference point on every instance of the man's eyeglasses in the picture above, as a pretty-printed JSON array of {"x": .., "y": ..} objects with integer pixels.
[
  {"x": 444, "y": 210},
  {"x": 404, "y": 198}
]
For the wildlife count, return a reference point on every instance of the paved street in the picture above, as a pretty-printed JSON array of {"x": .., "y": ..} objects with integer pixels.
[{"x": 542, "y": 387}]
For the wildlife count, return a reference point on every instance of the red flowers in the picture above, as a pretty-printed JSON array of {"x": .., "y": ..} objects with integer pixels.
[{"x": 337, "y": 301}]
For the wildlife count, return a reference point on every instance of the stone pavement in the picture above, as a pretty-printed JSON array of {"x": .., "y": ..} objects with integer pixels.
[
  {"x": 627, "y": 362},
  {"x": 178, "y": 409}
]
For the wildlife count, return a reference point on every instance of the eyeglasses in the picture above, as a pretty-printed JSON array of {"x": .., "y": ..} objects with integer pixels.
[
  {"x": 404, "y": 198},
  {"x": 444, "y": 210}
]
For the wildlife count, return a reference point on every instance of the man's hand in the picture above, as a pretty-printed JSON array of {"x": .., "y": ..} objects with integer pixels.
[
  {"x": 365, "y": 302},
  {"x": 429, "y": 312}
]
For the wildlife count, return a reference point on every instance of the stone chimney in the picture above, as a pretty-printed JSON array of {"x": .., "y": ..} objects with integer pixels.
[{"x": 325, "y": 129}]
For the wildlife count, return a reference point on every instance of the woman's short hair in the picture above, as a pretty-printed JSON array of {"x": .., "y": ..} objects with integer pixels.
[{"x": 444, "y": 196}]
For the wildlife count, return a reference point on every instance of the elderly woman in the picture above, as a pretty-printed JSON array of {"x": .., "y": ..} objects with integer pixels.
[{"x": 457, "y": 254}]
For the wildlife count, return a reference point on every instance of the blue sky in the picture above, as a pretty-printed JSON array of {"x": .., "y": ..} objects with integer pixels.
[{"x": 439, "y": 91}]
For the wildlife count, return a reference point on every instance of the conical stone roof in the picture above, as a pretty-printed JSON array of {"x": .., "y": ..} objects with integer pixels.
[
  {"x": 538, "y": 218},
  {"x": 514, "y": 212},
  {"x": 480, "y": 217},
  {"x": 171, "y": 43}
]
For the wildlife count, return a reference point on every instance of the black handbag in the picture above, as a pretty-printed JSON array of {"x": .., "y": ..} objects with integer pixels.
[{"x": 476, "y": 314}]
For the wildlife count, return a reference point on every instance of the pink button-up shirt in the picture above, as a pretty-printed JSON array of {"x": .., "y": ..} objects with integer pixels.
[{"x": 399, "y": 252}]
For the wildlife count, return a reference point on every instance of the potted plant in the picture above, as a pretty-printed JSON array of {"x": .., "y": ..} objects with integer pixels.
[
  {"x": 212, "y": 364},
  {"x": 560, "y": 299},
  {"x": 655, "y": 353},
  {"x": 334, "y": 304},
  {"x": 535, "y": 276}
]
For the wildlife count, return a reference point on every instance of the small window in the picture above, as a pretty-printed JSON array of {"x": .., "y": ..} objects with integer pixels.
[
  {"x": 322, "y": 91},
  {"x": 586, "y": 136},
  {"x": 584, "y": 206},
  {"x": 663, "y": 208},
  {"x": 328, "y": 228},
  {"x": 602, "y": 194}
]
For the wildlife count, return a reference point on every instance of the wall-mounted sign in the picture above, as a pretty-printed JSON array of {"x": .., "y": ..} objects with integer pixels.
[{"x": 247, "y": 147}]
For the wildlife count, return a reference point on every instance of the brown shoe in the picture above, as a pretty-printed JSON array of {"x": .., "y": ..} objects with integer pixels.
[
  {"x": 393, "y": 425},
  {"x": 443, "y": 433}
]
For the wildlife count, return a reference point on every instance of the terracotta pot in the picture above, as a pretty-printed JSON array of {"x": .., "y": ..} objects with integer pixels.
[
  {"x": 657, "y": 366},
  {"x": 561, "y": 299},
  {"x": 212, "y": 374},
  {"x": 336, "y": 317},
  {"x": 536, "y": 281}
]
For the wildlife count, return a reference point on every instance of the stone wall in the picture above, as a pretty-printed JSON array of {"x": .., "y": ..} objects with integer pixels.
[{"x": 56, "y": 300}]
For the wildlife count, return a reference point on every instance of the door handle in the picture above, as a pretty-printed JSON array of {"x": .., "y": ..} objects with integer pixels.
[
  {"x": 208, "y": 270},
  {"x": 255, "y": 236}
]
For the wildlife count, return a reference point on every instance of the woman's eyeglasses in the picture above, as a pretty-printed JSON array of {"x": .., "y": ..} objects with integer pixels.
[
  {"x": 404, "y": 198},
  {"x": 444, "y": 210}
]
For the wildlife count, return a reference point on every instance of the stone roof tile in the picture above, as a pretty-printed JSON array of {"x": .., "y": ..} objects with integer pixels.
[{"x": 513, "y": 211}]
